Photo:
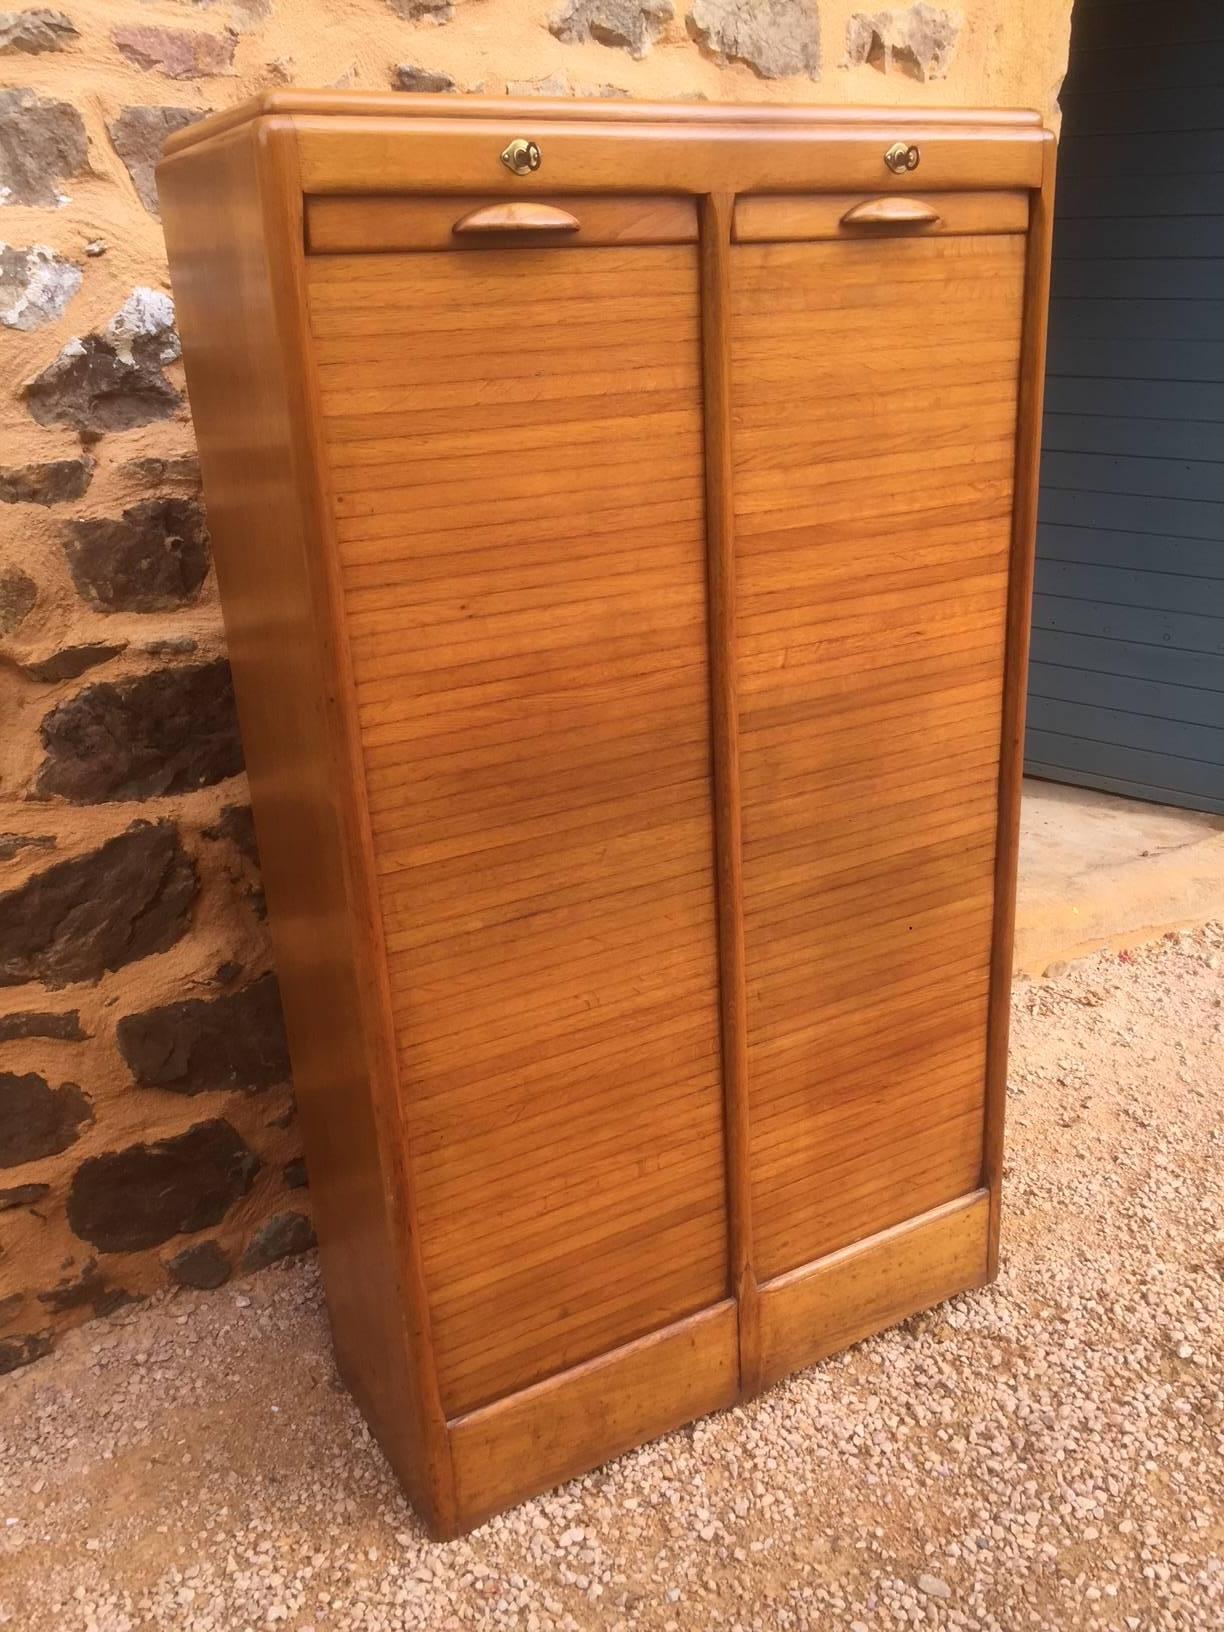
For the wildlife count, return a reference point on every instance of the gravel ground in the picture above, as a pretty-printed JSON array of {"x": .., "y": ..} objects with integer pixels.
[{"x": 1044, "y": 1454}]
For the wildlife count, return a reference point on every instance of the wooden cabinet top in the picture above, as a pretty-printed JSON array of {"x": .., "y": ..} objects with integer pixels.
[{"x": 354, "y": 142}]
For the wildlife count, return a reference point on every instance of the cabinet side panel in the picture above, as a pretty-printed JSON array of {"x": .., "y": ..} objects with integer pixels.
[
  {"x": 222, "y": 251},
  {"x": 515, "y": 450},
  {"x": 1015, "y": 691},
  {"x": 875, "y": 417}
]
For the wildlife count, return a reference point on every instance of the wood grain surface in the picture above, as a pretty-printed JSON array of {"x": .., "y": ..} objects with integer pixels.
[
  {"x": 563, "y": 1426},
  {"x": 517, "y": 484},
  {"x": 351, "y": 225},
  {"x": 803, "y": 218},
  {"x": 821, "y": 1308},
  {"x": 874, "y": 420}
]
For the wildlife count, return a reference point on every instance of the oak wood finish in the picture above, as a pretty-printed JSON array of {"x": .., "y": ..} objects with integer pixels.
[
  {"x": 563, "y": 1426},
  {"x": 355, "y": 225},
  {"x": 819, "y": 1308},
  {"x": 232, "y": 205},
  {"x": 803, "y": 218},
  {"x": 516, "y": 217},
  {"x": 545, "y": 109},
  {"x": 891, "y": 212},
  {"x": 532, "y": 686},
  {"x": 886, "y": 503},
  {"x": 1015, "y": 681},
  {"x": 631, "y": 677},
  {"x": 373, "y": 154},
  {"x": 724, "y": 710}
]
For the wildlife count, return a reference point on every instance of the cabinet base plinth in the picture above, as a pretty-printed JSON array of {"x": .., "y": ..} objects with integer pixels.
[
  {"x": 823, "y": 1307},
  {"x": 570, "y": 1423},
  {"x": 566, "y": 1425}
]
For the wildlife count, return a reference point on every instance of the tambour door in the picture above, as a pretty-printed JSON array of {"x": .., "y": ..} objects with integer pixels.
[
  {"x": 512, "y": 425},
  {"x": 875, "y": 397}
]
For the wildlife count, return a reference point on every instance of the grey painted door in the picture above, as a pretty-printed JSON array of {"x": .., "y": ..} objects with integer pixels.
[{"x": 1126, "y": 684}]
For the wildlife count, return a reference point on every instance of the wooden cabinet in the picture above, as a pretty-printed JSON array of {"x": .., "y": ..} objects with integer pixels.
[{"x": 626, "y": 569}]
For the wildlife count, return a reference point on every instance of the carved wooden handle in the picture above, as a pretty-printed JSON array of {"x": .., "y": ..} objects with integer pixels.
[
  {"x": 893, "y": 211},
  {"x": 521, "y": 215}
]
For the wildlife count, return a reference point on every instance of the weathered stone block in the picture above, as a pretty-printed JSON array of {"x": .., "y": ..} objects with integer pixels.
[
  {"x": 408, "y": 77},
  {"x": 62, "y": 1026},
  {"x": 245, "y": 15},
  {"x": 282, "y": 1235},
  {"x": 204, "y": 1044},
  {"x": 172, "y": 646},
  {"x": 178, "y": 53},
  {"x": 152, "y": 559},
  {"x": 143, "y": 327},
  {"x": 88, "y": 1289},
  {"x": 12, "y": 844},
  {"x": 36, "y": 285},
  {"x": 54, "y": 482},
  {"x": 20, "y": 1351},
  {"x": 424, "y": 11},
  {"x": 202, "y": 1266},
  {"x": 237, "y": 824},
  {"x": 91, "y": 388},
  {"x": 137, "y": 135},
  {"x": 295, "y": 1175},
  {"x": 633, "y": 25},
  {"x": 171, "y": 731},
  {"x": 41, "y": 144},
  {"x": 918, "y": 41},
  {"x": 36, "y": 1119},
  {"x": 152, "y": 472},
  {"x": 242, "y": 15},
  {"x": 71, "y": 661},
  {"x": 74, "y": 921},
  {"x": 18, "y": 593},
  {"x": 775, "y": 38},
  {"x": 30, "y": 33},
  {"x": 552, "y": 85},
  {"x": 23, "y": 1195},
  {"x": 130, "y": 1199},
  {"x": 559, "y": 85}
]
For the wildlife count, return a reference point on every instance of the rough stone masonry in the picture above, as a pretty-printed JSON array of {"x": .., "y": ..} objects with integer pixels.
[{"x": 147, "y": 1132}]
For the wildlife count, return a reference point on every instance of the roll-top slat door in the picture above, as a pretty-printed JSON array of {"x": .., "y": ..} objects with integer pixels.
[
  {"x": 874, "y": 444},
  {"x": 514, "y": 450}
]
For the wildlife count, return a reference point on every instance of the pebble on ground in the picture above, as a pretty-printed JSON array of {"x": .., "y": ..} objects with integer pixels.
[{"x": 1044, "y": 1454}]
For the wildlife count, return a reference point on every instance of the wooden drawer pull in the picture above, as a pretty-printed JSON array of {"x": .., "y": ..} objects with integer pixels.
[
  {"x": 891, "y": 212},
  {"x": 519, "y": 216}
]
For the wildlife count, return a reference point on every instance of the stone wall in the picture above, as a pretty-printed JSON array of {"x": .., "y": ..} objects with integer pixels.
[{"x": 147, "y": 1130}]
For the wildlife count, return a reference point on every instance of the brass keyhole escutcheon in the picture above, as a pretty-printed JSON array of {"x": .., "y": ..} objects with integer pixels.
[
  {"x": 902, "y": 156},
  {"x": 522, "y": 156}
]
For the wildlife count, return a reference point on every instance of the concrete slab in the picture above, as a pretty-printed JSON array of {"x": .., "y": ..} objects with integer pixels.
[{"x": 1099, "y": 871}]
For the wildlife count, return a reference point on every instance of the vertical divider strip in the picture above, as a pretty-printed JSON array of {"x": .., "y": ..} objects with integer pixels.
[
  {"x": 716, "y": 217},
  {"x": 1015, "y": 686}
]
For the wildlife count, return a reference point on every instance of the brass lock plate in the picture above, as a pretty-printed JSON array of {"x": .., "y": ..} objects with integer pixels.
[
  {"x": 902, "y": 156},
  {"x": 521, "y": 157}
]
